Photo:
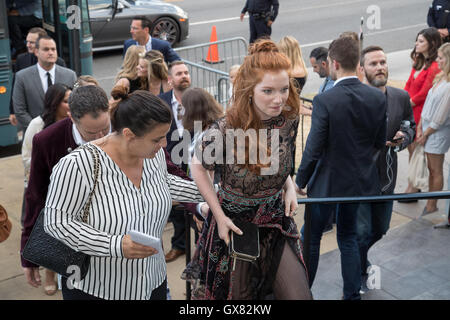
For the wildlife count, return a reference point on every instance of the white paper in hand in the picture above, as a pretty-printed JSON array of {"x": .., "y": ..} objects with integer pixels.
[{"x": 146, "y": 240}]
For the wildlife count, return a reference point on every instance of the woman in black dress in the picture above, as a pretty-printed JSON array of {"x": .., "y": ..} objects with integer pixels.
[{"x": 265, "y": 102}]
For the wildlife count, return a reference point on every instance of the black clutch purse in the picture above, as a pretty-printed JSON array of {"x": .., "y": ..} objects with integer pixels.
[
  {"x": 244, "y": 247},
  {"x": 46, "y": 251}
]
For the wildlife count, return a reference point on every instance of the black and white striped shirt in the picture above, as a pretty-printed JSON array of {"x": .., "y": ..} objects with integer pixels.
[{"x": 117, "y": 207}]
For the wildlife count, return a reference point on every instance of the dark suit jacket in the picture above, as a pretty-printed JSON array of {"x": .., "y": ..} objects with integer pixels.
[
  {"x": 49, "y": 146},
  {"x": 398, "y": 109},
  {"x": 348, "y": 128},
  {"x": 167, "y": 98},
  {"x": 157, "y": 44}
]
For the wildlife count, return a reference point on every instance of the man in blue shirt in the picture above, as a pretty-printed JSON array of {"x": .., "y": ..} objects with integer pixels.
[
  {"x": 319, "y": 62},
  {"x": 140, "y": 35}
]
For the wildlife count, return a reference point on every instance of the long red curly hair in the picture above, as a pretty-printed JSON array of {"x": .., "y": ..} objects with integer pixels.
[{"x": 263, "y": 56}]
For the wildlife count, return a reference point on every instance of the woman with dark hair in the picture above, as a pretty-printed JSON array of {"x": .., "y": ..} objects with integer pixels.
[
  {"x": 133, "y": 192},
  {"x": 420, "y": 81},
  {"x": 56, "y": 107},
  {"x": 266, "y": 111},
  {"x": 201, "y": 106}
]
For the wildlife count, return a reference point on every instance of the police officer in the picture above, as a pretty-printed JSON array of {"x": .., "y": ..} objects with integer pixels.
[
  {"x": 262, "y": 14},
  {"x": 439, "y": 17}
]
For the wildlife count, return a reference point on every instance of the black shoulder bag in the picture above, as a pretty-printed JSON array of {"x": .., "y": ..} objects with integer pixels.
[{"x": 46, "y": 251}]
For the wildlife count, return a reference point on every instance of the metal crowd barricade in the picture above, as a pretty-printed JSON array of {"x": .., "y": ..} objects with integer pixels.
[
  {"x": 213, "y": 76},
  {"x": 307, "y": 103},
  {"x": 214, "y": 81},
  {"x": 231, "y": 51}
]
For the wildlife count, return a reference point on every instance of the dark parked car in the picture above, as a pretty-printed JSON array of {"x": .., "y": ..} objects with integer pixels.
[{"x": 111, "y": 20}]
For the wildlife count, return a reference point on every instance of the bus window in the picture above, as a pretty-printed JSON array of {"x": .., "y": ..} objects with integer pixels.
[{"x": 74, "y": 46}]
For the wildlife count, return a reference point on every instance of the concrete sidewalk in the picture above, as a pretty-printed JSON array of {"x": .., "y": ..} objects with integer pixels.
[{"x": 413, "y": 257}]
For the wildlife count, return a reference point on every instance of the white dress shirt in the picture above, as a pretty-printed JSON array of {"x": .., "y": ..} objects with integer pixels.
[
  {"x": 148, "y": 45},
  {"x": 179, "y": 123},
  {"x": 43, "y": 76},
  {"x": 344, "y": 78}
]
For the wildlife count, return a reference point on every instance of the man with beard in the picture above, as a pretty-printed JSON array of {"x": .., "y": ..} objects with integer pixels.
[
  {"x": 348, "y": 128},
  {"x": 374, "y": 218},
  {"x": 180, "y": 80},
  {"x": 319, "y": 62}
]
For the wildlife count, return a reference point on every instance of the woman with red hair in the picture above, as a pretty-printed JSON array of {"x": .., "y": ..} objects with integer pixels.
[{"x": 252, "y": 147}]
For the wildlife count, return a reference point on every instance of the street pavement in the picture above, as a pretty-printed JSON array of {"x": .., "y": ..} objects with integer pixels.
[{"x": 414, "y": 258}]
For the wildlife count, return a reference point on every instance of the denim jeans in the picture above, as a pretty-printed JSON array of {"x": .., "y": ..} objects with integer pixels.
[
  {"x": 347, "y": 242},
  {"x": 372, "y": 223}
]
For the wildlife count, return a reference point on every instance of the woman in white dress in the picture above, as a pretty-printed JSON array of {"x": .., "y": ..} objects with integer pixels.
[{"x": 433, "y": 131}]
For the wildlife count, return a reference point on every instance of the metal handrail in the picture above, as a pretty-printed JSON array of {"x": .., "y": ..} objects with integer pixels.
[
  {"x": 307, "y": 230},
  {"x": 381, "y": 198},
  {"x": 378, "y": 198}
]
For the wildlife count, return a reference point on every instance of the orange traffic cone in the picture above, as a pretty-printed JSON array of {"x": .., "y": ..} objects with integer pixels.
[{"x": 213, "y": 50}]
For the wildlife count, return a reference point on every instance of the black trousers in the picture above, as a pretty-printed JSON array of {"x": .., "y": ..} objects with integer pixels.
[
  {"x": 258, "y": 28},
  {"x": 160, "y": 293},
  {"x": 179, "y": 235}
]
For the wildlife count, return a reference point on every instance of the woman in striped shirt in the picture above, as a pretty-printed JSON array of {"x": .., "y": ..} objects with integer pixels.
[{"x": 133, "y": 192}]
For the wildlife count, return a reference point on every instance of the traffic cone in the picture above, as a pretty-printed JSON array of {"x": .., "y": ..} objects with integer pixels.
[{"x": 213, "y": 50}]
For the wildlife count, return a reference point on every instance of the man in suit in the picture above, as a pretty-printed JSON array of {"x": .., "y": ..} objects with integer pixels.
[
  {"x": 374, "y": 218},
  {"x": 32, "y": 83},
  {"x": 27, "y": 59},
  {"x": 140, "y": 34},
  {"x": 347, "y": 130},
  {"x": 180, "y": 80}
]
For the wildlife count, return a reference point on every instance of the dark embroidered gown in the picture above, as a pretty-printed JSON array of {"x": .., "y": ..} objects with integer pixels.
[{"x": 254, "y": 198}]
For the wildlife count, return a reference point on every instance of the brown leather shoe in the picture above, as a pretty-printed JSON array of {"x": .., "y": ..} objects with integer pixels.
[{"x": 173, "y": 254}]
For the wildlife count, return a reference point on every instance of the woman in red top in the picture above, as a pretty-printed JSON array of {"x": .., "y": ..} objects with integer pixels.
[{"x": 423, "y": 72}]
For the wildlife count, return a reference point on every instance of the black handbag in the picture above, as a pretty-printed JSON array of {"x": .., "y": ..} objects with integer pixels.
[
  {"x": 46, "y": 251},
  {"x": 244, "y": 247}
]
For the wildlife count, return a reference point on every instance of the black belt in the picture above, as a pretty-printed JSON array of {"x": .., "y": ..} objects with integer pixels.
[{"x": 257, "y": 15}]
